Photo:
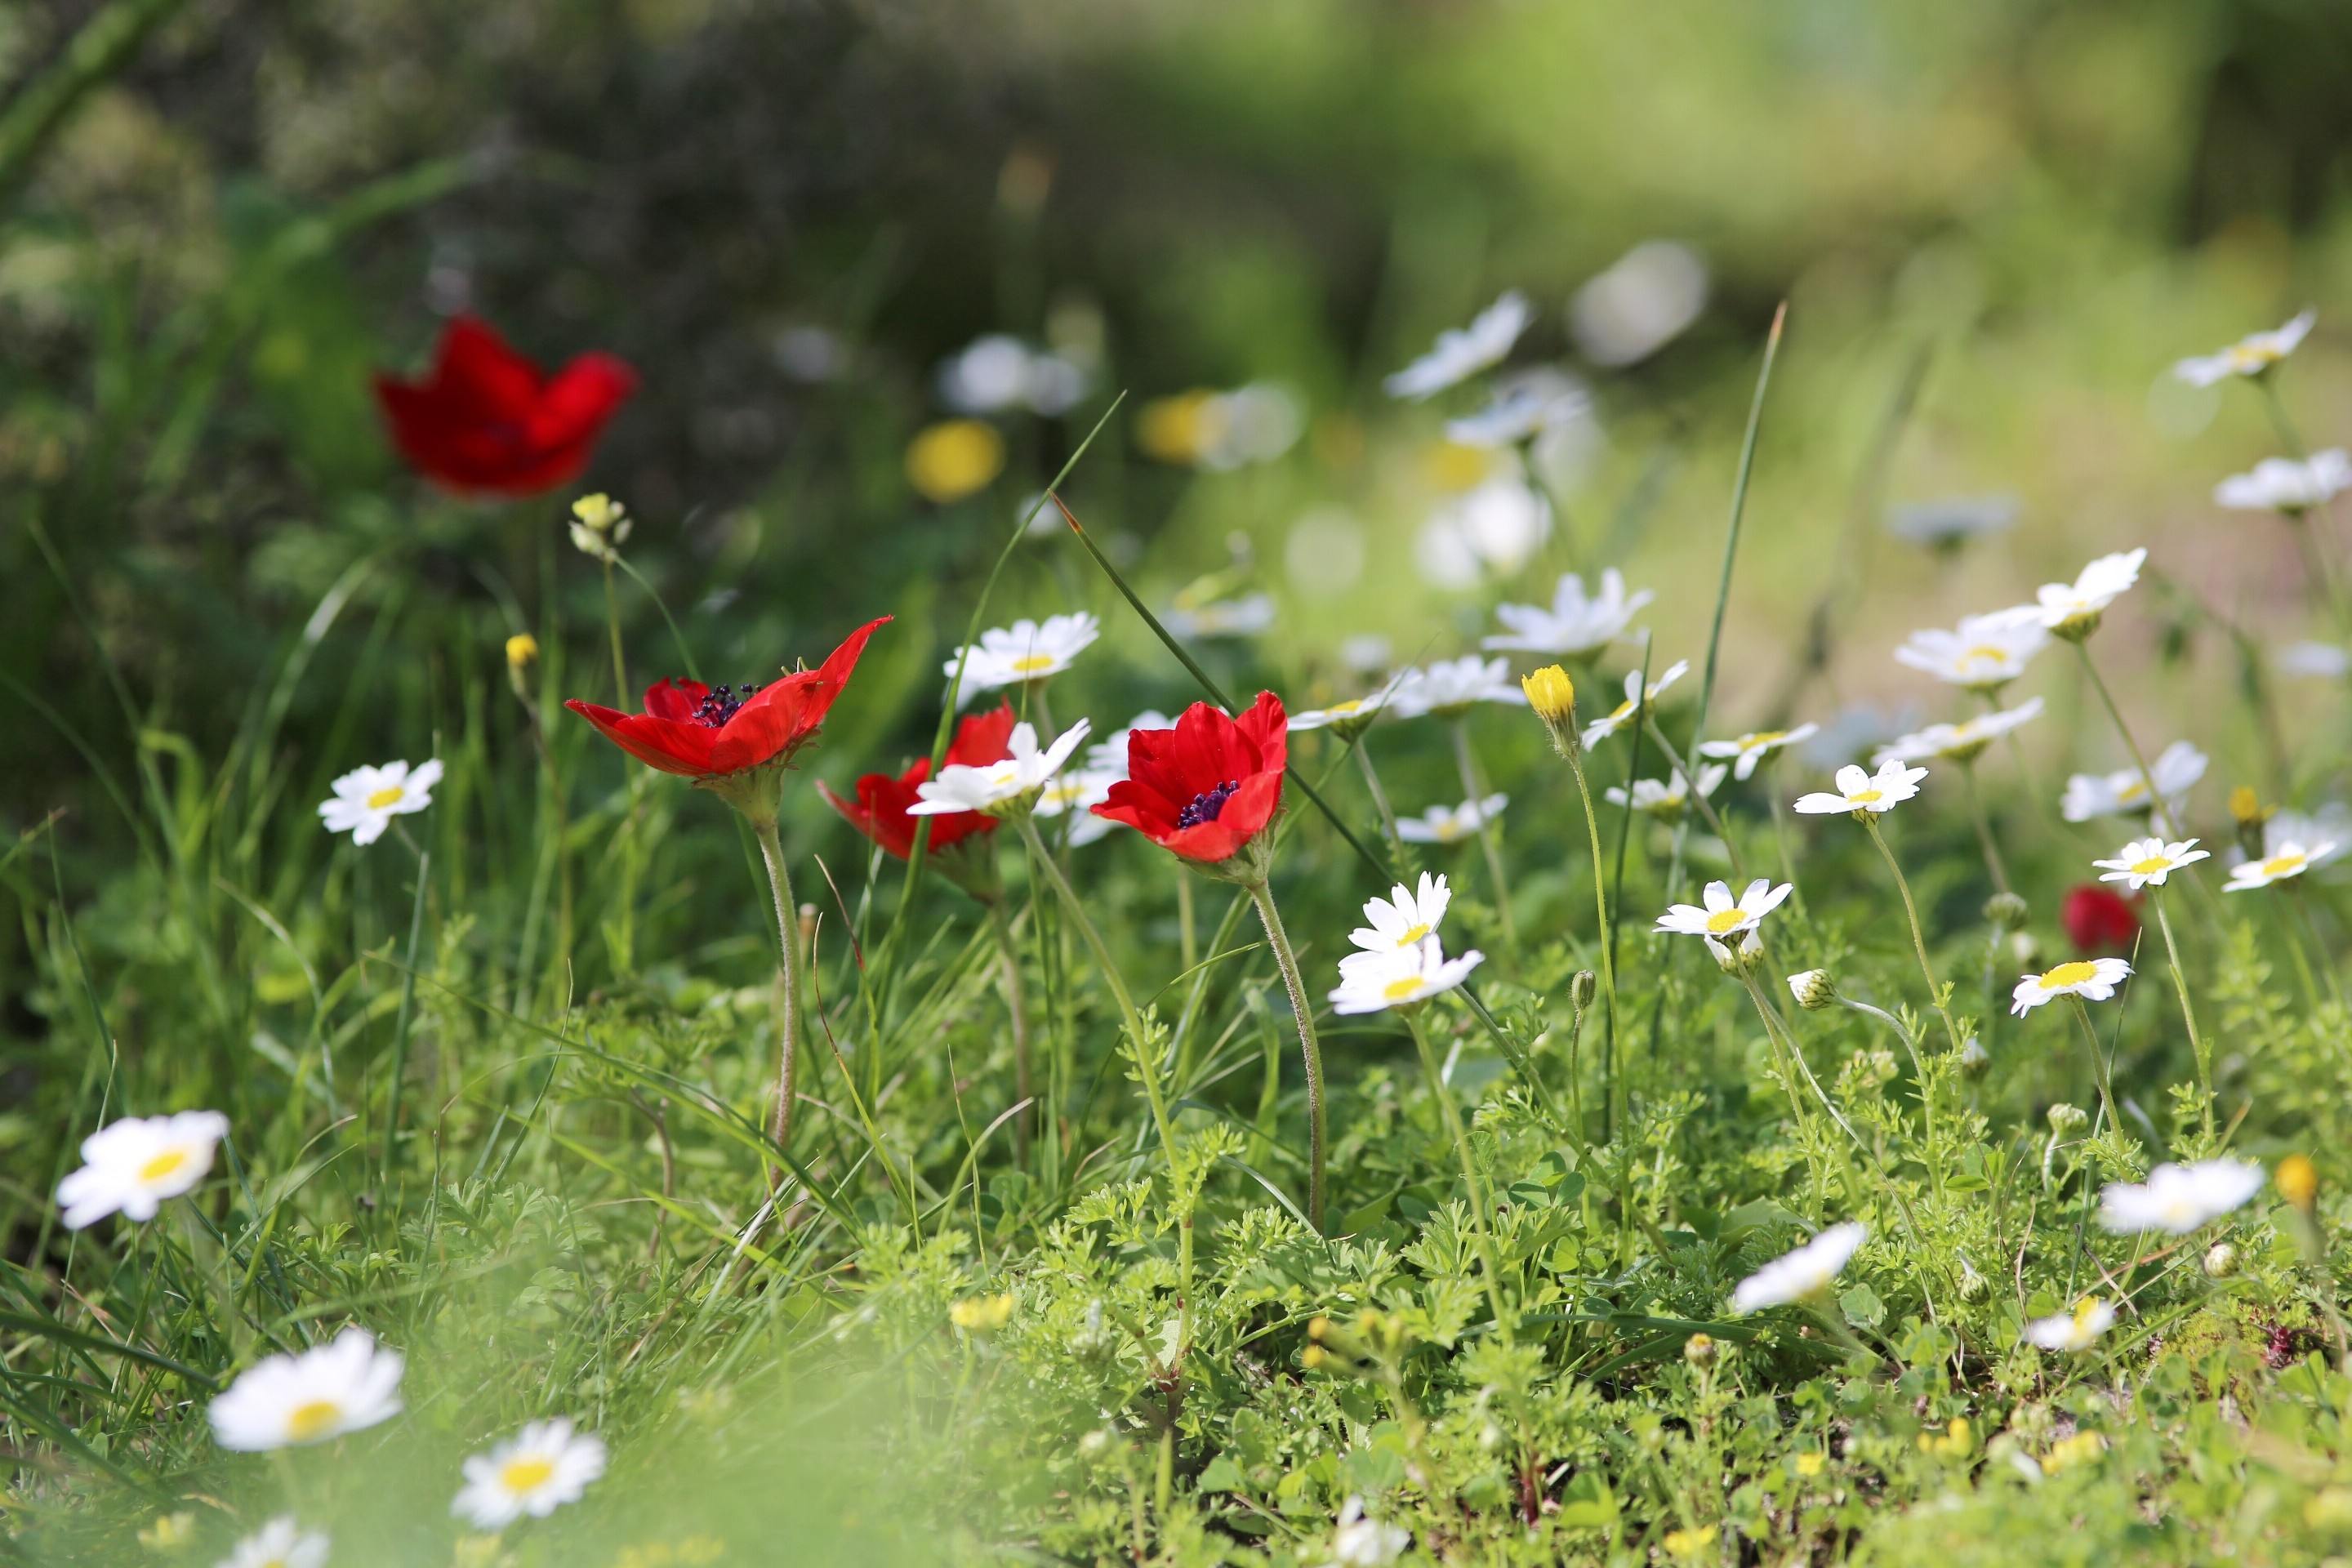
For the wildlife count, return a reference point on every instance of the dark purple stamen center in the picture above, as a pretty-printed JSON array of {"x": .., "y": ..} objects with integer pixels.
[
  {"x": 1206, "y": 805},
  {"x": 721, "y": 703}
]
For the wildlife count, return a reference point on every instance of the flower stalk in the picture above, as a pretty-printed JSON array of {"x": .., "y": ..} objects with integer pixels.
[{"x": 1303, "y": 1009}]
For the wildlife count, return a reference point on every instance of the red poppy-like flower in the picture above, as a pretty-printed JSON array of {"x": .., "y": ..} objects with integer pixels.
[
  {"x": 704, "y": 734},
  {"x": 1207, "y": 787},
  {"x": 879, "y": 812},
  {"x": 2097, "y": 919},
  {"x": 484, "y": 422}
]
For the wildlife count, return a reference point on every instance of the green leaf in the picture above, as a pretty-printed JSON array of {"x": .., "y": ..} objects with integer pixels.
[{"x": 1862, "y": 1307}]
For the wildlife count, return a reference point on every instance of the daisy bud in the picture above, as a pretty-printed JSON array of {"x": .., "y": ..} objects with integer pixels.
[
  {"x": 1973, "y": 1284},
  {"x": 2026, "y": 949},
  {"x": 2066, "y": 1120},
  {"x": 1553, "y": 697},
  {"x": 1974, "y": 1057},
  {"x": 1741, "y": 962},
  {"x": 1813, "y": 990},
  {"x": 2221, "y": 1260},
  {"x": 1700, "y": 1351},
  {"x": 2005, "y": 911},
  {"x": 2298, "y": 1181},
  {"x": 1582, "y": 989},
  {"x": 522, "y": 651}
]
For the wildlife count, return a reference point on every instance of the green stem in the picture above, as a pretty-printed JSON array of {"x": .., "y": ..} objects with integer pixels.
[
  {"x": 1490, "y": 836},
  {"x": 407, "y": 1002},
  {"x": 1606, "y": 935},
  {"x": 613, "y": 625},
  {"x": 1919, "y": 937},
  {"x": 2158, "y": 817},
  {"x": 2196, "y": 1045},
  {"x": 1303, "y": 1011},
  {"x": 1984, "y": 827},
  {"x": 1010, "y": 956},
  {"x": 1380, "y": 802},
  {"x": 788, "y": 985},
  {"x": 2099, "y": 1068},
  {"x": 1480, "y": 1208},
  {"x": 1690, "y": 784}
]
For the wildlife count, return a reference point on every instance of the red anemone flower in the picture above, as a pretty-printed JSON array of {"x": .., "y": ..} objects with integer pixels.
[
  {"x": 705, "y": 733},
  {"x": 879, "y": 812},
  {"x": 2097, "y": 919},
  {"x": 484, "y": 422},
  {"x": 1207, "y": 787}
]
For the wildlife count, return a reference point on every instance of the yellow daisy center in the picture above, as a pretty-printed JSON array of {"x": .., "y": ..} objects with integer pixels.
[
  {"x": 2151, "y": 866},
  {"x": 1766, "y": 740},
  {"x": 2132, "y": 791},
  {"x": 1867, "y": 796},
  {"x": 1401, "y": 990},
  {"x": 1620, "y": 712},
  {"x": 2283, "y": 864},
  {"x": 389, "y": 795},
  {"x": 1985, "y": 653},
  {"x": 1350, "y": 706},
  {"x": 527, "y": 1474},
  {"x": 1722, "y": 921},
  {"x": 1032, "y": 663},
  {"x": 2085, "y": 1309},
  {"x": 314, "y": 1420},
  {"x": 2067, "y": 975},
  {"x": 162, "y": 1164},
  {"x": 1415, "y": 935}
]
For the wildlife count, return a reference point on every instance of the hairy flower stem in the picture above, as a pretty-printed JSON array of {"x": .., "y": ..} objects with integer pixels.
[
  {"x": 1303, "y": 1011},
  {"x": 2159, "y": 820},
  {"x": 788, "y": 989},
  {"x": 2099, "y": 1068},
  {"x": 1489, "y": 837},
  {"x": 1919, "y": 937},
  {"x": 1009, "y": 954},
  {"x": 1606, "y": 937},
  {"x": 1481, "y": 1207},
  {"x": 1380, "y": 802},
  {"x": 2197, "y": 1046},
  {"x": 1984, "y": 827}
]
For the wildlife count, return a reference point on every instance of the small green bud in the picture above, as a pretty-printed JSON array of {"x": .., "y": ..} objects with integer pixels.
[
  {"x": 1583, "y": 989},
  {"x": 2066, "y": 1120},
  {"x": 2221, "y": 1260},
  {"x": 2005, "y": 911},
  {"x": 1813, "y": 989}
]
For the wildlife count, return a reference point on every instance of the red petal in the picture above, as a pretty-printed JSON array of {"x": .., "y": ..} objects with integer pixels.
[
  {"x": 983, "y": 738},
  {"x": 483, "y": 422},
  {"x": 786, "y": 712},
  {"x": 681, "y": 749},
  {"x": 675, "y": 698}
]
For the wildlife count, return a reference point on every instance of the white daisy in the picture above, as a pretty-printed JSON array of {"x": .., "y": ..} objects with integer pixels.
[
  {"x": 1755, "y": 746},
  {"x": 1636, "y": 699},
  {"x": 1350, "y": 717},
  {"x": 2176, "y": 768},
  {"x": 2330, "y": 827},
  {"x": 2249, "y": 355},
  {"x": 2093, "y": 979},
  {"x": 1808, "y": 1272},
  {"x": 281, "y": 1543},
  {"x": 2074, "y": 1330},
  {"x": 367, "y": 799},
  {"x": 1495, "y": 528},
  {"x": 1858, "y": 791},
  {"x": 1000, "y": 786},
  {"x": 2178, "y": 1199},
  {"x": 1076, "y": 793},
  {"x": 1450, "y": 686},
  {"x": 318, "y": 1394},
  {"x": 1721, "y": 917},
  {"x": 534, "y": 1472},
  {"x": 1451, "y": 823},
  {"x": 1023, "y": 652},
  {"x": 2071, "y": 610},
  {"x": 2283, "y": 484},
  {"x": 2314, "y": 660},
  {"x": 1360, "y": 1542},
  {"x": 1524, "y": 404},
  {"x": 2148, "y": 862},
  {"x": 998, "y": 372},
  {"x": 1242, "y": 617},
  {"x": 1108, "y": 755},
  {"x": 1951, "y": 522},
  {"x": 1668, "y": 798},
  {"x": 1963, "y": 742},
  {"x": 2285, "y": 860},
  {"x": 1985, "y": 653},
  {"x": 1401, "y": 978},
  {"x": 1405, "y": 918},
  {"x": 1575, "y": 626},
  {"x": 1638, "y": 305},
  {"x": 1463, "y": 352},
  {"x": 130, "y": 1166}
]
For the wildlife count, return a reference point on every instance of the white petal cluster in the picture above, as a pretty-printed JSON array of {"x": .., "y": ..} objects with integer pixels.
[
  {"x": 2092, "y": 979},
  {"x": 1246, "y": 616},
  {"x": 1075, "y": 794},
  {"x": 998, "y": 374},
  {"x": 1354, "y": 711},
  {"x": 1644, "y": 301},
  {"x": 1376, "y": 982},
  {"x": 2178, "y": 1199},
  {"x": 2072, "y": 608},
  {"x": 1983, "y": 653},
  {"x": 345, "y": 1386},
  {"x": 2285, "y": 860},
  {"x": 2074, "y": 1330},
  {"x": 2176, "y": 769},
  {"x": 1493, "y": 529},
  {"x": 1463, "y": 351},
  {"x": 2284, "y": 484},
  {"x": 130, "y": 1167},
  {"x": 1451, "y": 686},
  {"x": 993, "y": 787},
  {"x": 1525, "y": 404},
  {"x": 1576, "y": 626},
  {"x": 281, "y": 1543},
  {"x": 1808, "y": 1272},
  {"x": 2147, "y": 862},
  {"x": 2249, "y": 355},
  {"x": 1668, "y": 797},
  {"x": 1719, "y": 915},
  {"x": 1024, "y": 651},
  {"x": 1403, "y": 917},
  {"x": 1451, "y": 823},
  {"x": 1360, "y": 1542},
  {"x": 1961, "y": 742},
  {"x": 1636, "y": 699},
  {"x": 367, "y": 799},
  {"x": 1752, "y": 748},
  {"x": 1859, "y": 791},
  {"x": 534, "y": 1472}
]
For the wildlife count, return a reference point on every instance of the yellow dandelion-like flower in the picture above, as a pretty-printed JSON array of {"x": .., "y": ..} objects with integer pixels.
[{"x": 954, "y": 458}]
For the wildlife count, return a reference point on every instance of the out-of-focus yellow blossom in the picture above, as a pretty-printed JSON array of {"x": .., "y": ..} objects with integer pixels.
[
  {"x": 981, "y": 1314},
  {"x": 954, "y": 458}
]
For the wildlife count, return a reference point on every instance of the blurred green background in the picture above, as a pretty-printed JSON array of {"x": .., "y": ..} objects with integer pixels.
[{"x": 789, "y": 215}]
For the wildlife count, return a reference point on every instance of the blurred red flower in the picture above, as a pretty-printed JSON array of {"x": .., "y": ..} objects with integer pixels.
[
  {"x": 484, "y": 422},
  {"x": 2098, "y": 919},
  {"x": 879, "y": 812},
  {"x": 699, "y": 732},
  {"x": 1205, "y": 788}
]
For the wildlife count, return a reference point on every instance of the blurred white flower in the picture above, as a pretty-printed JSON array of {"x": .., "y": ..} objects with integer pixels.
[
  {"x": 1367, "y": 653},
  {"x": 1667, "y": 798},
  {"x": 998, "y": 372},
  {"x": 1575, "y": 626},
  {"x": 1402, "y": 918},
  {"x": 1858, "y": 791},
  {"x": 534, "y": 1472},
  {"x": 2282, "y": 484},
  {"x": 1013, "y": 782},
  {"x": 1348, "y": 716},
  {"x": 1635, "y": 702},
  {"x": 811, "y": 354},
  {"x": 367, "y": 799},
  {"x": 1639, "y": 304},
  {"x": 129, "y": 1167},
  {"x": 1720, "y": 917},
  {"x": 1221, "y": 431},
  {"x": 2330, "y": 827},
  {"x": 1495, "y": 528},
  {"x": 1360, "y": 1542},
  {"x": 2176, "y": 768},
  {"x": 1450, "y": 686},
  {"x": 1963, "y": 742},
  {"x": 2283, "y": 861},
  {"x": 2092, "y": 979},
  {"x": 1076, "y": 793},
  {"x": 1243, "y": 617},
  {"x": 281, "y": 1543},
  {"x": 1524, "y": 404},
  {"x": 2147, "y": 862},
  {"x": 1952, "y": 521},
  {"x": 2312, "y": 660},
  {"x": 1024, "y": 651},
  {"x": 1324, "y": 554},
  {"x": 1984, "y": 654},
  {"x": 345, "y": 1386},
  {"x": 1370, "y": 983},
  {"x": 2249, "y": 355},
  {"x": 1808, "y": 1272},
  {"x": 1451, "y": 823},
  {"x": 2072, "y": 609},
  {"x": 1755, "y": 746},
  {"x": 1462, "y": 353},
  {"x": 2178, "y": 1199},
  {"x": 2076, "y": 1331},
  {"x": 1851, "y": 731}
]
